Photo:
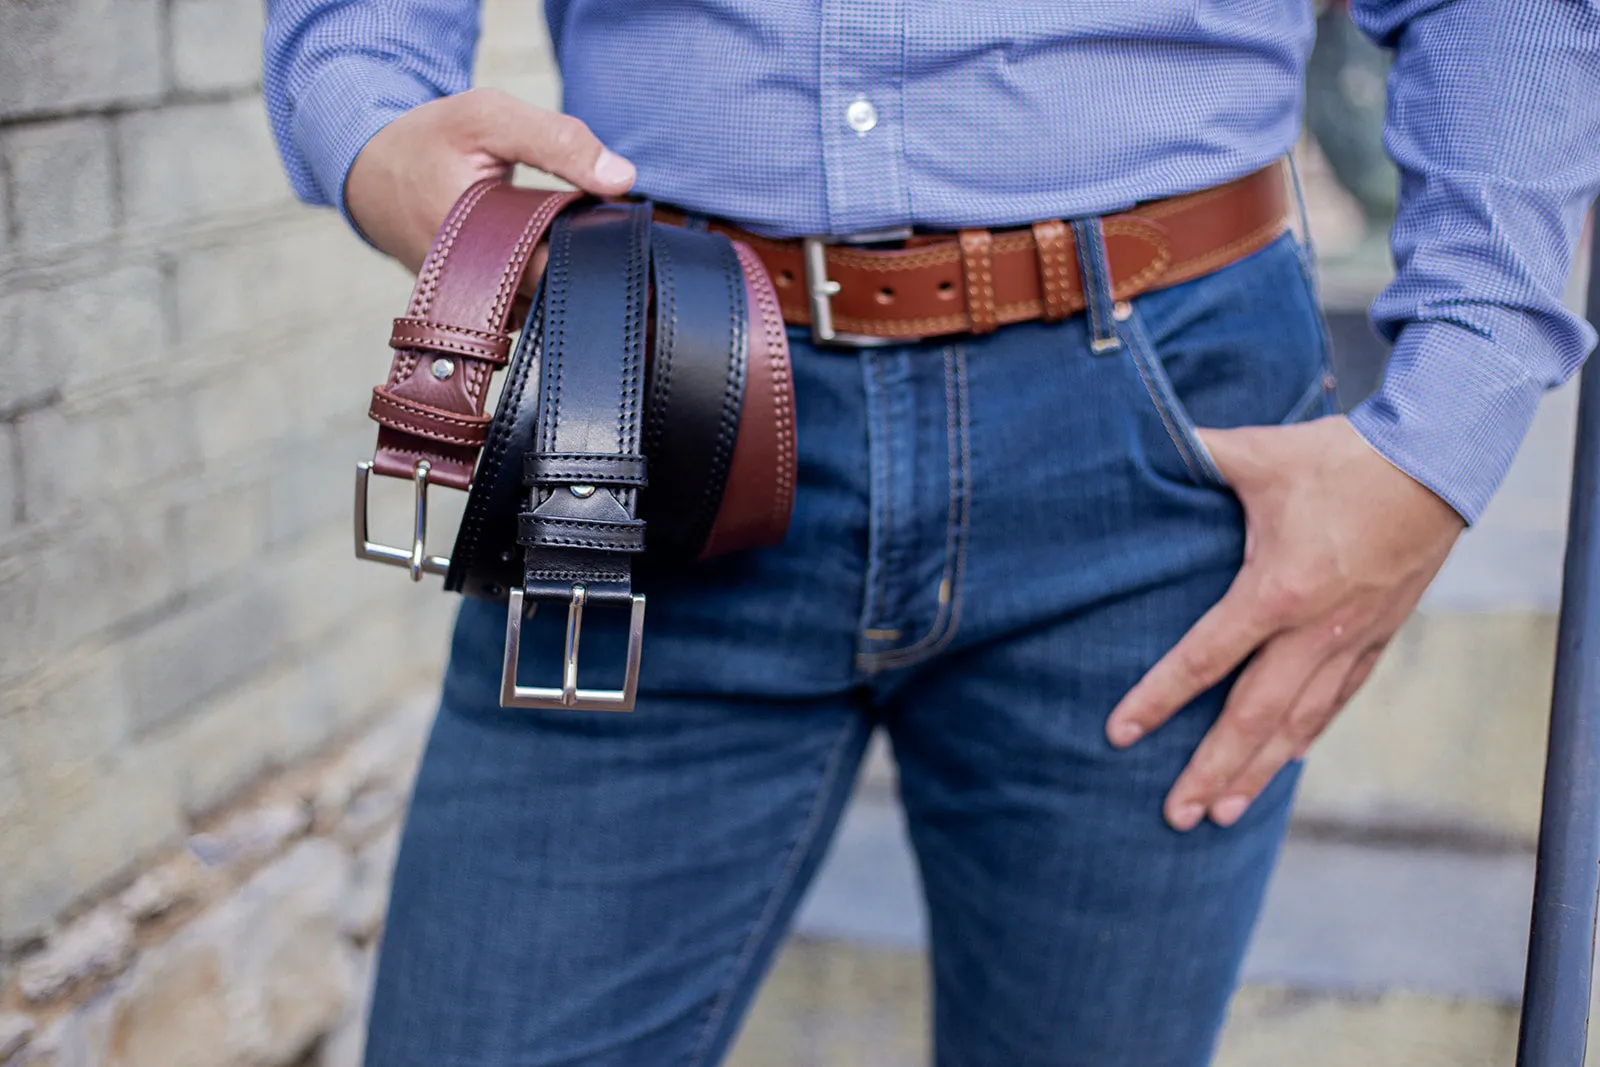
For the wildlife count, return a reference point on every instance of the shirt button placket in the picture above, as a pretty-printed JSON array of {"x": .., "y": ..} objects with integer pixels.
[{"x": 862, "y": 50}]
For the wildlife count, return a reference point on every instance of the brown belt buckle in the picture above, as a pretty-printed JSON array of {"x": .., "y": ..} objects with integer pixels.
[{"x": 820, "y": 289}]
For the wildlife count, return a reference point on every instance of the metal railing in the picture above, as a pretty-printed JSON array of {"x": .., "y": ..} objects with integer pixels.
[{"x": 1555, "y": 1000}]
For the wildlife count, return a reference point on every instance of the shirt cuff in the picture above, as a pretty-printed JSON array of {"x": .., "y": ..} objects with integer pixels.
[
  {"x": 352, "y": 98},
  {"x": 1454, "y": 408}
]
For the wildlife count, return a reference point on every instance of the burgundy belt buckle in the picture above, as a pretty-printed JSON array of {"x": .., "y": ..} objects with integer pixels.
[{"x": 416, "y": 558}]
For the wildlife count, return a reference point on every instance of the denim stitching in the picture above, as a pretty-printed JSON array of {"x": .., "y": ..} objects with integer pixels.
[
  {"x": 769, "y": 914},
  {"x": 944, "y": 626},
  {"x": 954, "y": 538},
  {"x": 1308, "y": 401},
  {"x": 1089, "y": 269},
  {"x": 1086, "y": 271},
  {"x": 1094, "y": 267},
  {"x": 879, "y": 492},
  {"x": 1179, "y": 427}
]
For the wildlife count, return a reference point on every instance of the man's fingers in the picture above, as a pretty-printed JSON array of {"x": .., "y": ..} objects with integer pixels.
[
  {"x": 1212, "y": 648},
  {"x": 1317, "y": 703},
  {"x": 557, "y": 144},
  {"x": 1256, "y": 712},
  {"x": 1360, "y": 669}
]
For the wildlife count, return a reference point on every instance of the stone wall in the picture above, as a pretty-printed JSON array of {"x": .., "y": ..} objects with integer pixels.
[
  {"x": 186, "y": 357},
  {"x": 248, "y": 944}
]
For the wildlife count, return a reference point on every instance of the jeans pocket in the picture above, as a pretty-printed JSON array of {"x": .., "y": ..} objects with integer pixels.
[
  {"x": 1315, "y": 402},
  {"x": 1246, "y": 346},
  {"x": 1175, "y": 419}
]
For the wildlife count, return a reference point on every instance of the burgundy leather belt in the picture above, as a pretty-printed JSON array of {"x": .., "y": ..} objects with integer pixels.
[
  {"x": 649, "y": 387},
  {"x": 976, "y": 281}
]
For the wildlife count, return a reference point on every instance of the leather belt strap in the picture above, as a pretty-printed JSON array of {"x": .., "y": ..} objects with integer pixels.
[
  {"x": 591, "y": 409},
  {"x": 977, "y": 280},
  {"x": 718, "y": 422},
  {"x": 483, "y": 563},
  {"x": 453, "y": 335},
  {"x": 697, "y": 385}
]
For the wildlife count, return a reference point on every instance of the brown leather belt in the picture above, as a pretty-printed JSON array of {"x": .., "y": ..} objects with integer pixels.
[{"x": 976, "y": 281}]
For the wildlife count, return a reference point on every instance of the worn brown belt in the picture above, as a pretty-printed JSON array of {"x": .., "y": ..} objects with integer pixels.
[{"x": 976, "y": 281}]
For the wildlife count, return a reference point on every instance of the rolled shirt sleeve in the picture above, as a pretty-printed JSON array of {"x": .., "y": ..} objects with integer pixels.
[
  {"x": 335, "y": 72},
  {"x": 1494, "y": 123}
]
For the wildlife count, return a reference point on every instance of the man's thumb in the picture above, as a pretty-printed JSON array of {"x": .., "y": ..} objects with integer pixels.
[
  {"x": 1230, "y": 450},
  {"x": 554, "y": 143}
]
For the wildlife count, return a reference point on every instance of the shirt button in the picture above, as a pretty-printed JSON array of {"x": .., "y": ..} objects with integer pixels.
[{"x": 861, "y": 115}]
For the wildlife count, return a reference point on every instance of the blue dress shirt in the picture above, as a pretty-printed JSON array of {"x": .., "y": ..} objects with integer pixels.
[{"x": 844, "y": 116}]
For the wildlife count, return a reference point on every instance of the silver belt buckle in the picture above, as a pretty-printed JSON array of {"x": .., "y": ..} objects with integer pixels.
[
  {"x": 820, "y": 289},
  {"x": 416, "y": 558},
  {"x": 569, "y": 695}
]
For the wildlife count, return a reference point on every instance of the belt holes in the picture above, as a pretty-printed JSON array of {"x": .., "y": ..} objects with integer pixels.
[
  {"x": 947, "y": 290},
  {"x": 785, "y": 278},
  {"x": 884, "y": 295}
]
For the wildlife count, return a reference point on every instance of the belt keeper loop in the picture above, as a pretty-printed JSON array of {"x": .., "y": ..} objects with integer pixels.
[
  {"x": 977, "y": 269},
  {"x": 1096, "y": 271},
  {"x": 1056, "y": 279},
  {"x": 448, "y": 339}
]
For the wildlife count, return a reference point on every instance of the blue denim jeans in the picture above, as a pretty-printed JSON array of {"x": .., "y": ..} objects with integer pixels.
[{"x": 994, "y": 538}]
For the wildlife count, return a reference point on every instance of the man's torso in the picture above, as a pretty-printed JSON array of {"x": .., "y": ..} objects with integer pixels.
[{"x": 935, "y": 113}]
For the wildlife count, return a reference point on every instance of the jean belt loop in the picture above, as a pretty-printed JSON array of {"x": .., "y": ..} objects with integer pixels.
[{"x": 1094, "y": 269}]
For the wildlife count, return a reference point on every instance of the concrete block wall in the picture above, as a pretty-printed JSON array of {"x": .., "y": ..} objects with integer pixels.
[{"x": 185, "y": 359}]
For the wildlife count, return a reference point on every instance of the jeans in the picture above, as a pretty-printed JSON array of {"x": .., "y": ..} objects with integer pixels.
[{"x": 994, "y": 537}]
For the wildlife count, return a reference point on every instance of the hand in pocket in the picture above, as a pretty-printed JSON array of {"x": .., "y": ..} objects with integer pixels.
[{"x": 1340, "y": 545}]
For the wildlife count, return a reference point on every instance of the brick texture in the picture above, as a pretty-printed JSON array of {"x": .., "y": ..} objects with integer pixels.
[
  {"x": 62, "y": 182},
  {"x": 10, "y": 484},
  {"x": 187, "y": 357},
  {"x": 215, "y": 45},
  {"x": 77, "y": 335},
  {"x": 56, "y": 55},
  {"x": 6, "y": 239},
  {"x": 198, "y": 162}
]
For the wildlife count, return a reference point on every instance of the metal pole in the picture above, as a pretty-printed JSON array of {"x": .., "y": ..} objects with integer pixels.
[{"x": 1555, "y": 996}]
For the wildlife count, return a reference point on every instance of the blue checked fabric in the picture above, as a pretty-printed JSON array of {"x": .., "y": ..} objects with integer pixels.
[{"x": 844, "y": 116}]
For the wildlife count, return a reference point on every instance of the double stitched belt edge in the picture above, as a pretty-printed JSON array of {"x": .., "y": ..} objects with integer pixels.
[
  {"x": 975, "y": 281},
  {"x": 581, "y": 529},
  {"x": 711, "y": 398}
]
